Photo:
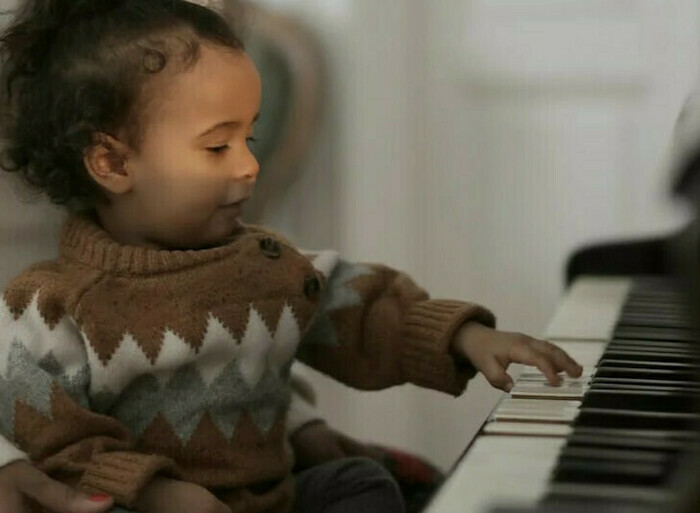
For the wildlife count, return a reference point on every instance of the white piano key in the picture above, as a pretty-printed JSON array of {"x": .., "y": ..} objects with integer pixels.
[
  {"x": 499, "y": 468},
  {"x": 589, "y": 310},
  {"x": 533, "y": 374},
  {"x": 534, "y": 390},
  {"x": 527, "y": 429},
  {"x": 560, "y": 417},
  {"x": 535, "y": 404},
  {"x": 536, "y": 410}
]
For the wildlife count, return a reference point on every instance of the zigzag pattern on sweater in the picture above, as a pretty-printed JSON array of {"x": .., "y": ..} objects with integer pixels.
[
  {"x": 256, "y": 350},
  {"x": 28, "y": 368},
  {"x": 32, "y": 382},
  {"x": 185, "y": 398},
  {"x": 223, "y": 377}
]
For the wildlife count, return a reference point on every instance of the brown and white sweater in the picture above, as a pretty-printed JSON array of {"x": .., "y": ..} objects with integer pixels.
[{"x": 120, "y": 362}]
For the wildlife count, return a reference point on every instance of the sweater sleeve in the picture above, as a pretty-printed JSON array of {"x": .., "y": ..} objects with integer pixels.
[
  {"x": 45, "y": 414},
  {"x": 376, "y": 328}
]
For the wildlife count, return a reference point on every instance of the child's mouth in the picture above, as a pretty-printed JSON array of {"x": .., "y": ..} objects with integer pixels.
[{"x": 235, "y": 206}]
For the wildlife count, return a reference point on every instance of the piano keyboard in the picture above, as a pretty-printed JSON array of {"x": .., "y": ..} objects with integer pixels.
[{"x": 616, "y": 432}]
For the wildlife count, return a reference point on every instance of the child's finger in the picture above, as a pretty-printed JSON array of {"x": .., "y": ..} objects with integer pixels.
[
  {"x": 529, "y": 355},
  {"x": 561, "y": 358},
  {"x": 496, "y": 375},
  {"x": 566, "y": 363}
]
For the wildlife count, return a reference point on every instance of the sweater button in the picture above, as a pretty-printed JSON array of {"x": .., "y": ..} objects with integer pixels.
[
  {"x": 312, "y": 286},
  {"x": 270, "y": 247}
]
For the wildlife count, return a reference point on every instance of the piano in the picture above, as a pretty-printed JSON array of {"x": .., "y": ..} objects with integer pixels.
[
  {"x": 612, "y": 436},
  {"x": 625, "y": 436}
]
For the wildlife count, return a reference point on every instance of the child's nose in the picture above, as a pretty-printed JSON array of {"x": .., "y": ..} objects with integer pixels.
[{"x": 248, "y": 169}]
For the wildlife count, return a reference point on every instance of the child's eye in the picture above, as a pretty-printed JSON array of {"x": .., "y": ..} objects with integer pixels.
[
  {"x": 218, "y": 149},
  {"x": 251, "y": 139}
]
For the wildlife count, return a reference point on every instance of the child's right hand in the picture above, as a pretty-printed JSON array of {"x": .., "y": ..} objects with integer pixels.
[
  {"x": 165, "y": 495},
  {"x": 20, "y": 480}
]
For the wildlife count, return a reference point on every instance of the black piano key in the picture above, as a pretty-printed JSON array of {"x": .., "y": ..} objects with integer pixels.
[
  {"x": 598, "y": 497},
  {"x": 636, "y": 420},
  {"x": 589, "y": 470},
  {"x": 640, "y": 320},
  {"x": 631, "y": 382},
  {"x": 626, "y": 441},
  {"x": 641, "y": 401},
  {"x": 657, "y": 356},
  {"x": 654, "y": 305},
  {"x": 602, "y": 385},
  {"x": 683, "y": 436},
  {"x": 665, "y": 344},
  {"x": 611, "y": 371},
  {"x": 663, "y": 300},
  {"x": 650, "y": 333},
  {"x": 655, "y": 309},
  {"x": 616, "y": 454},
  {"x": 655, "y": 312},
  {"x": 647, "y": 364},
  {"x": 652, "y": 347}
]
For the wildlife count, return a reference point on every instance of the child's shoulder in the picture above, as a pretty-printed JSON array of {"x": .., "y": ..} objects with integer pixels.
[
  {"x": 46, "y": 270},
  {"x": 52, "y": 283}
]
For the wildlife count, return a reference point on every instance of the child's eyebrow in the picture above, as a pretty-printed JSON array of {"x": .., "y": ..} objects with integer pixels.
[{"x": 223, "y": 124}]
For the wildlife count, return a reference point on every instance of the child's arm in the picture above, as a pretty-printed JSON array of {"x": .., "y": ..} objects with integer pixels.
[
  {"x": 45, "y": 408},
  {"x": 376, "y": 328}
]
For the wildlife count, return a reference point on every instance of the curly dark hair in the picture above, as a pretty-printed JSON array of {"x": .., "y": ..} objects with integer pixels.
[{"x": 73, "y": 68}]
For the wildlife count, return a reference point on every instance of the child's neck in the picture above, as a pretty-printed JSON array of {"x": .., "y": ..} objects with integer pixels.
[
  {"x": 123, "y": 234},
  {"x": 120, "y": 233}
]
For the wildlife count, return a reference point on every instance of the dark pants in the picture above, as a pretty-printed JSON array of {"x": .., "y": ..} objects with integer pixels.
[{"x": 349, "y": 485}]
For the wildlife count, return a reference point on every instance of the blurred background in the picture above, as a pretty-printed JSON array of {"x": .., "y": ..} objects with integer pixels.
[{"x": 472, "y": 143}]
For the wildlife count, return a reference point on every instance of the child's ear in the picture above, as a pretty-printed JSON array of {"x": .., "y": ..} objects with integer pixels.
[{"x": 106, "y": 162}]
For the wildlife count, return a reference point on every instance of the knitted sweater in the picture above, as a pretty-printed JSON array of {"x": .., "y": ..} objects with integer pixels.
[{"x": 120, "y": 362}]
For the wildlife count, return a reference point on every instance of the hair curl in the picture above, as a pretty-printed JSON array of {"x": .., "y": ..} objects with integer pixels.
[{"x": 73, "y": 68}]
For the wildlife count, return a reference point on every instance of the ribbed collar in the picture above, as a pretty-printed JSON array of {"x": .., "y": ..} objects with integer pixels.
[{"x": 82, "y": 239}]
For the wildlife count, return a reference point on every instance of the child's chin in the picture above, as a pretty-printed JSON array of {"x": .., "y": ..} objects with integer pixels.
[{"x": 222, "y": 234}]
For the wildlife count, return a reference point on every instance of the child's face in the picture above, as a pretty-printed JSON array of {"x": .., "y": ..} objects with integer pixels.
[{"x": 194, "y": 168}]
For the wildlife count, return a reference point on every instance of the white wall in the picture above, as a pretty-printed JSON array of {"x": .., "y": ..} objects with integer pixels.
[{"x": 473, "y": 144}]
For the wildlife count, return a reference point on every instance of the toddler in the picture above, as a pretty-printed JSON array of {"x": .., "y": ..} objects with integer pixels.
[{"x": 149, "y": 363}]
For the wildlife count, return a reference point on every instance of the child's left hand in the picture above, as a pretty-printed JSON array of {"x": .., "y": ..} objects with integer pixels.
[{"x": 491, "y": 351}]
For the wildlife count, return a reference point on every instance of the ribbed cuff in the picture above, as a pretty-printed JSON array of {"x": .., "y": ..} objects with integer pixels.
[
  {"x": 428, "y": 332},
  {"x": 122, "y": 474}
]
